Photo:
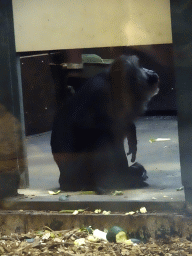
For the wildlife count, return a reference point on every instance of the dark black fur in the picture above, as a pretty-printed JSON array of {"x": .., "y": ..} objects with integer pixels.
[{"x": 89, "y": 128}]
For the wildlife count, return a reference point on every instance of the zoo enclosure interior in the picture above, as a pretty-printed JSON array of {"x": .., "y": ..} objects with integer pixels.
[
  {"x": 38, "y": 87},
  {"x": 37, "y": 80},
  {"x": 118, "y": 43}
]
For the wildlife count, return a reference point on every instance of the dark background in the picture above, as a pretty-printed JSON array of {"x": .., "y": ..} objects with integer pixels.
[{"x": 40, "y": 90}]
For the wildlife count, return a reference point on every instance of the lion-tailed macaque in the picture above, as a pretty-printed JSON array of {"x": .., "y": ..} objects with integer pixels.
[{"x": 89, "y": 128}]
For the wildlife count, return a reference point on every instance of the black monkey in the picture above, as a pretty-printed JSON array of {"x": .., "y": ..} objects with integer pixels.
[{"x": 89, "y": 128}]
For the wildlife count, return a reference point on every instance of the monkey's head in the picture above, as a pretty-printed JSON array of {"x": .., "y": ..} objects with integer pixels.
[{"x": 132, "y": 86}]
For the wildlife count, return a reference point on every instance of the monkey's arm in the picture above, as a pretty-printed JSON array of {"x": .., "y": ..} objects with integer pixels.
[{"x": 132, "y": 141}]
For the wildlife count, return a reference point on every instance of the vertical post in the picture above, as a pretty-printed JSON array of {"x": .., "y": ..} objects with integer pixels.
[
  {"x": 12, "y": 157},
  {"x": 22, "y": 158},
  {"x": 181, "y": 13}
]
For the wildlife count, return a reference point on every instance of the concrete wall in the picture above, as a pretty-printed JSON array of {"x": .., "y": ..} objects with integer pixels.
[
  {"x": 182, "y": 36},
  {"x": 12, "y": 156},
  {"x": 62, "y": 24},
  {"x": 141, "y": 226}
]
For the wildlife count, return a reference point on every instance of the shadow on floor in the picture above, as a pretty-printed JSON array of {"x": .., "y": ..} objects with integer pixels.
[{"x": 160, "y": 159}]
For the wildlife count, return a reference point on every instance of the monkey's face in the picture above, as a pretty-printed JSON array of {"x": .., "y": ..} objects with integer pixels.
[
  {"x": 142, "y": 83},
  {"x": 152, "y": 80},
  {"x": 132, "y": 86},
  {"x": 139, "y": 86}
]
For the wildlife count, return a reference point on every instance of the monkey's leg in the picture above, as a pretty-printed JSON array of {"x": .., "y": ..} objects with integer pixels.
[{"x": 75, "y": 172}]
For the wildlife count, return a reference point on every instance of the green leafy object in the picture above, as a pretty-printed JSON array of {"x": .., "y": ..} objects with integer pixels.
[
  {"x": 53, "y": 192},
  {"x": 121, "y": 237},
  {"x": 87, "y": 193},
  {"x": 93, "y": 239},
  {"x": 66, "y": 211},
  {"x": 89, "y": 229},
  {"x": 72, "y": 211},
  {"x": 83, "y": 228},
  {"x": 52, "y": 235},
  {"x": 117, "y": 193},
  {"x": 79, "y": 242},
  {"x": 81, "y": 210},
  {"x": 97, "y": 211},
  {"x": 143, "y": 210},
  {"x": 106, "y": 212},
  {"x": 91, "y": 58},
  {"x": 39, "y": 233},
  {"x": 159, "y": 139},
  {"x": 128, "y": 242}
]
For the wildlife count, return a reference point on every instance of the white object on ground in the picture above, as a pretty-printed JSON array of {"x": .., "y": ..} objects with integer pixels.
[{"x": 99, "y": 234}]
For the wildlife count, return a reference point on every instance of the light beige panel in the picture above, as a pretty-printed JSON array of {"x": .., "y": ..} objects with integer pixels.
[{"x": 68, "y": 24}]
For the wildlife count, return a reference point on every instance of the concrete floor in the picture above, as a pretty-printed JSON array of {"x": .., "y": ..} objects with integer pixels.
[{"x": 161, "y": 160}]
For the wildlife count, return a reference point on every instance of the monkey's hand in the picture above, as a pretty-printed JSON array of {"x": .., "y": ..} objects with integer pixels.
[{"x": 132, "y": 141}]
